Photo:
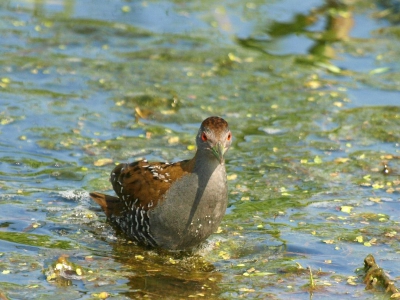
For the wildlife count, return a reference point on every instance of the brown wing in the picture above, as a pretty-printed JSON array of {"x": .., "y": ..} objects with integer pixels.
[{"x": 142, "y": 184}]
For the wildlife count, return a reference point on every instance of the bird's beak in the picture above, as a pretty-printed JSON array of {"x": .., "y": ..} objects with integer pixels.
[{"x": 219, "y": 150}]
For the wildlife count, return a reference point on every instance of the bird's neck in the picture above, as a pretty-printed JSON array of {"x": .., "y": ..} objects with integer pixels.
[{"x": 205, "y": 163}]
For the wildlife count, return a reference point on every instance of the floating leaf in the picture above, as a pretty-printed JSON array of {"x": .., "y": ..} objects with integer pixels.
[
  {"x": 359, "y": 239},
  {"x": 317, "y": 160},
  {"x": 351, "y": 280},
  {"x": 346, "y": 209},
  {"x": 234, "y": 58},
  {"x": 379, "y": 70},
  {"x": 173, "y": 140},
  {"x": 391, "y": 234},
  {"x": 126, "y": 9},
  {"x": 329, "y": 67},
  {"x": 329, "y": 241},
  {"x": 224, "y": 255},
  {"x": 313, "y": 84},
  {"x": 395, "y": 296},
  {"x": 367, "y": 177},
  {"x": 246, "y": 290},
  {"x": 232, "y": 176},
  {"x": 342, "y": 160},
  {"x": 378, "y": 186},
  {"x": 375, "y": 199},
  {"x": 102, "y": 162}
]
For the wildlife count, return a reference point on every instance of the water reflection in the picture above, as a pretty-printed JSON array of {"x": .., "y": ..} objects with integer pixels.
[
  {"x": 166, "y": 274},
  {"x": 43, "y": 8},
  {"x": 338, "y": 21}
]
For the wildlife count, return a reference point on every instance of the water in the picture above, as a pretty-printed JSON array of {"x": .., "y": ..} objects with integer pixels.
[{"x": 311, "y": 94}]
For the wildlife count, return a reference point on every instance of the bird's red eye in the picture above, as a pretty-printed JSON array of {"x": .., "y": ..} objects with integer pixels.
[
  {"x": 228, "y": 138},
  {"x": 203, "y": 137}
]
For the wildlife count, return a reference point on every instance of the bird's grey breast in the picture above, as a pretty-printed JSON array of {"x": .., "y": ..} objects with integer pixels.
[{"x": 191, "y": 210}]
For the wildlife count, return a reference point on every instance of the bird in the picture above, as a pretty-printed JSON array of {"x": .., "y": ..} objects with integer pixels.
[{"x": 173, "y": 206}]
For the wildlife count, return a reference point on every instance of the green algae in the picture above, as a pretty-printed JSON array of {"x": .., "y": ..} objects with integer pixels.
[{"x": 35, "y": 240}]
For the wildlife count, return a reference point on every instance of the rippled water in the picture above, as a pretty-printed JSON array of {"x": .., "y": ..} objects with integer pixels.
[{"x": 311, "y": 93}]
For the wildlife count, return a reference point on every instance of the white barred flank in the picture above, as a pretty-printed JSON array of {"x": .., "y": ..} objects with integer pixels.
[{"x": 135, "y": 223}]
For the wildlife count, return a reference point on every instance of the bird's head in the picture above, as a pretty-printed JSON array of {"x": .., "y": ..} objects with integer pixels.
[{"x": 214, "y": 137}]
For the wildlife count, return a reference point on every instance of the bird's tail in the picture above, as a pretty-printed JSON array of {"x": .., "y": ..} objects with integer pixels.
[{"x": 111, "y": 205}]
